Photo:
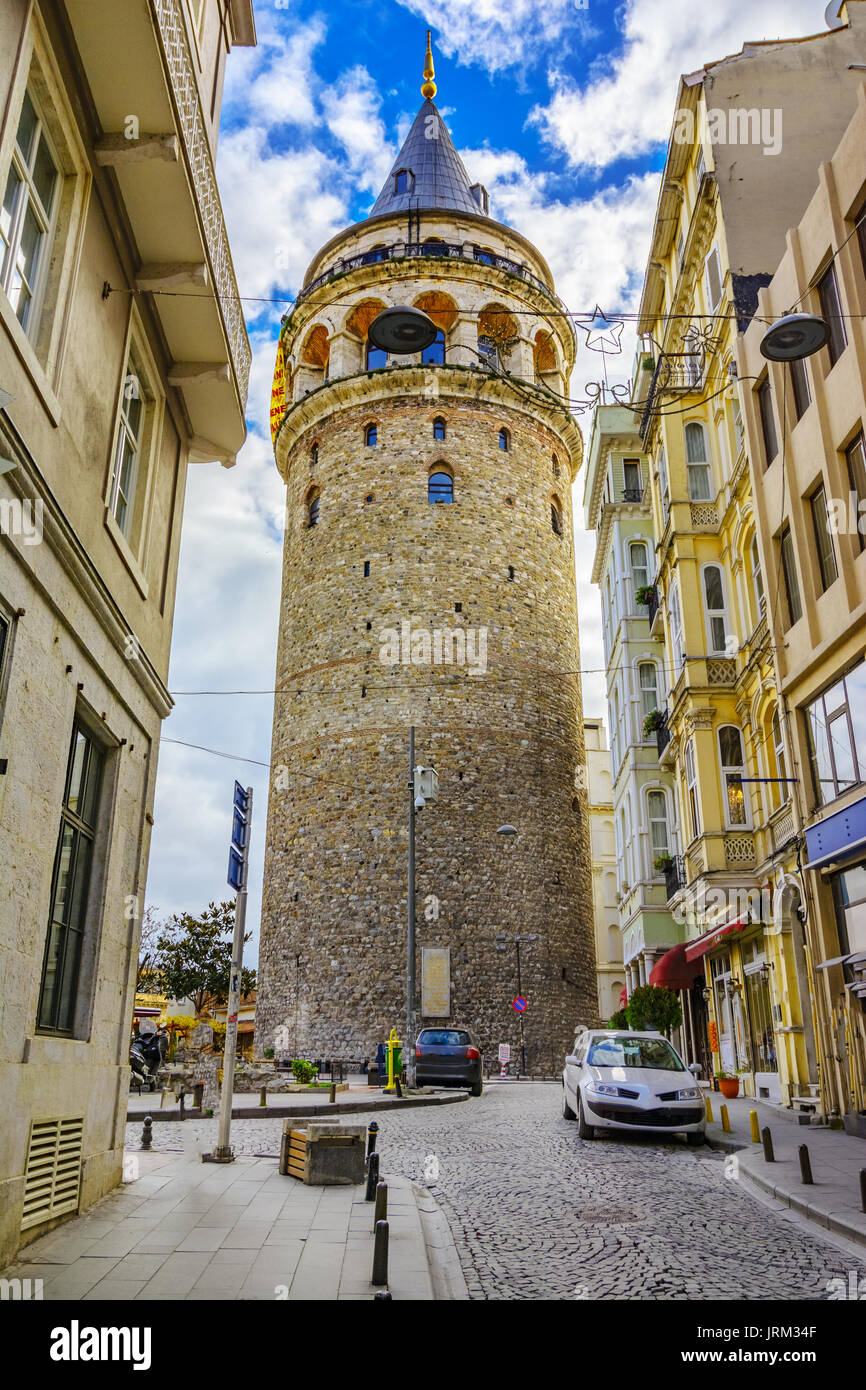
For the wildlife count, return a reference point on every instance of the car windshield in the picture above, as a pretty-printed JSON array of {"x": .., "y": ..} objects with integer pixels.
[
  {"x": 628, "y": 1051},
  {"x": 444, "y": 1037}
]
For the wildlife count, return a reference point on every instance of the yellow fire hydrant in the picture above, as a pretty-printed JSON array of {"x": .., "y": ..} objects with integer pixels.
[{"x": 393, "y": 1046}]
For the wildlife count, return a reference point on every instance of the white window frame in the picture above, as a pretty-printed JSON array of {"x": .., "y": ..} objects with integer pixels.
[
  {"x": 664, "y": 486},
  {"x": 138, "y": 363},
  {"x": 714, "y": 258},
  {"x": 693, "y": 801},
  {"x": 696, "y": 467},
  {"x": 758, "y": 579},
  {"x": 652, "y": 850},
  {"x": 42, "y": 344},
  {"x": 46, "y": 218},
  {"x": 675, "y": 622},
  {"x": 643, "y": 689},
  {"x": 633, "y": 569},
  {"x": 781, "y": 761},
  {"x": 712, "y": 615},
  {"x": 729, "y": 770}
]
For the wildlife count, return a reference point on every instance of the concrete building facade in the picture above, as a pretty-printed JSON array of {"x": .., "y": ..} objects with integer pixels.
[
  {"x": 608, "y": 939},
  {"x": 428, "y": 581},
  {"x": 805, "y": 426},
  {"x": 109, "y": 114}
]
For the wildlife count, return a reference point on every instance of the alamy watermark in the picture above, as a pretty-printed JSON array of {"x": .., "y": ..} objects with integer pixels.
[
  {"x": 736, "y": 126},
  {"x": 23, "y": 519},
  {"x": 421, "y": 646}
]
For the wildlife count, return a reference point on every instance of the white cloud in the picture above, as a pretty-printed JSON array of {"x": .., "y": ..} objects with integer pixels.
[
  {"x": 628, "y": 107},
  {"x": 498, "y": 35},
  {"x": 351, "y": 111},
  {"x": 276, "y": 81}
]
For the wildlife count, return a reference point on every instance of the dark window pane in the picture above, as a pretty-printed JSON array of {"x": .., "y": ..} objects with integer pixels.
[
  {"x": 831, "y": 308},
  {"x": 855, "y": 684},
  {"x": 823, "y": 539},
  {"x": 789, "y": 570},
  {"x": 731, "y": 745},
  {"x": 856, "y": 457},
  {"x": 800, "y": 387},
  {"x": 439, "y": 429},
  {"x": 822, "y": 768},
  {"x": 768, "y": 421}
]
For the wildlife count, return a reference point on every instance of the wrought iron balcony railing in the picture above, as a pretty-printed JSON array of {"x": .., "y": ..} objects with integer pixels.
[
  {"x": 675, "y": 876},
  {"x": 653, "y": 605},
  {"x": 632, "y": 494},
  {"x": 675, "y": 372},
  {"x": 663, "y": 736}
]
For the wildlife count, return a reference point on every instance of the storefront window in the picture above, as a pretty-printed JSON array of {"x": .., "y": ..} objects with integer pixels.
[
  {"x": 762, "y": 1038},
  {"x": 850, "y": 894}
]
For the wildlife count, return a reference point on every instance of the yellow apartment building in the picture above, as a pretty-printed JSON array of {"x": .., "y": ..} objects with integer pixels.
[{"x": 805, "y": 424}]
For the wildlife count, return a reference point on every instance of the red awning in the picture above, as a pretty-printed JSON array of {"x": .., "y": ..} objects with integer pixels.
[
  {"x": 673, "y": 971},
  {"x": 623, "y": 997},
  {"x": 699, "y": 948}
]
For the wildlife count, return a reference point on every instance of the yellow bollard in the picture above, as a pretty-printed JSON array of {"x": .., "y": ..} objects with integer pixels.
[
  {"x": 726, "y": 1124},
  {"x": 709, "y": 1109},
  {"x": 756, "y": 1128},
  {"x": 392, "y": 1044}
]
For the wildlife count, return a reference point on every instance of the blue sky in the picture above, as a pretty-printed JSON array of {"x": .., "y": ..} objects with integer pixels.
[{"x": 563, "y": 111}]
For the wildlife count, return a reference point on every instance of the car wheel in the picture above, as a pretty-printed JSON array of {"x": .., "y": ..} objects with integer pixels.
[
  {"x": 584, "y": 1130},
  {"x": 567, "y": 1112},
  {"x": 693, "y": 1140},
  {"x": 476, "y": 1088}
]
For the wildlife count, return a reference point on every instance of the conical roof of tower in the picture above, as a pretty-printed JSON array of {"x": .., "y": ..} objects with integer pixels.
[{"x": 437, "y": 176}]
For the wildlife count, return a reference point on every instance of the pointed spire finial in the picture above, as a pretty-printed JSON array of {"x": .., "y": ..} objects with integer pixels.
[{"x": 428, "y": 88}]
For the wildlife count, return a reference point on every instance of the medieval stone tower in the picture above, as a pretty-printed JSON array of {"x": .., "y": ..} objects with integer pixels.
[{"x": 428, "y": 580}]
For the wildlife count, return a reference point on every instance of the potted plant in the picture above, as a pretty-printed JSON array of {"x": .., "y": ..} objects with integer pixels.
[
  {"x": 729, "y": 1084},
  {"x": 662, "y": 863},
  {"x": 645, "y": 593},
  {"x": 653, "y": 721}
]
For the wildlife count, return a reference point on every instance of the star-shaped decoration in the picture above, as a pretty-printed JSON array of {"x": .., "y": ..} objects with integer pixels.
[{"x": 602, "y": 334}]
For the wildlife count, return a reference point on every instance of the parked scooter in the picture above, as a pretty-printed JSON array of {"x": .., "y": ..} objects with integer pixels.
[{"x": 146, "y": 1056}]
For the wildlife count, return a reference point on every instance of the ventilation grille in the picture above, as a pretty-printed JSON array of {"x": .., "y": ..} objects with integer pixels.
[{"x": 53, "y": 1174}]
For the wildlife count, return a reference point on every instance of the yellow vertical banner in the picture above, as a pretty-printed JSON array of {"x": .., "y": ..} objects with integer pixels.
[{"x": 278, "y": 390}]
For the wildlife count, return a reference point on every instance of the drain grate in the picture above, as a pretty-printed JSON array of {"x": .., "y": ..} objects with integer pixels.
[{"x": 52, "y": 1178}]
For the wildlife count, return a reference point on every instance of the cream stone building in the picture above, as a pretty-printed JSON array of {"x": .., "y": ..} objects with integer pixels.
[
  {"x": 806, "y": 425},
  {"x": 428, "y": 580},
  {"x": 608, "y": 939},
  {"x": 110, "y": 113}
]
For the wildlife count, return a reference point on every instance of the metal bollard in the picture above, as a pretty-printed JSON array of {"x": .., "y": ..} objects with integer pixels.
[
  {"x": 768, "y": 1145},
  {"x": 372, "y": 1177},
  {"x": 756, "y": 1128},
  {"x": 146, "y": 1135},
  {"x": 384, "y": 1295},
  {"x": 380, "y": 1254},
  {"x": 182, "y": 1102},
  {"x": 162, "y": 1096},
  {"x": 708, "y": 1108},
  {"x": 805, "y": 1165},
  {"x": 399, "y": 1088},
  {"x": 263, "y": 1095},
  {"x": 863, "y": 1188},
  {"x": 726, "y": 1124},
  {"x": 333, "y": 1093},
  {"x": 381, "y": 1211},
  {"x": 371, "y": 1137}
]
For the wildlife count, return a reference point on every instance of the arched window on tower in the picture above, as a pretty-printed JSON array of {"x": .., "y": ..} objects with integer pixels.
[
  {"x": 313, "y": 501},
  {"x": 404, "y": 181},
  {"x": 504, "y": 439},
  {"x": 314, "y": 455},
  {"x": 438, "y": 428},
  {"x": 376, "y": 357},
  {"x": 434, "y": 355},
  {"x": 556, "y": 516},
  {"x": 371, "y": 435},
  {"x": 488, "y": 352},
  {"x": 440, "y": 487}
]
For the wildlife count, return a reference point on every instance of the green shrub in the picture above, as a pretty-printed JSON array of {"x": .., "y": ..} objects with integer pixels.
[
  {"x": 303, "y": 1071},
  {"x": 618, "y": 1020},
  {"x": 652, "y": 1008}
]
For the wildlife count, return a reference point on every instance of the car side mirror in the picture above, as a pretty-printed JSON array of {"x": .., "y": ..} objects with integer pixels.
[
  {"x": 572, "y": 1059},
  {"x": 695, "y": 1068}
]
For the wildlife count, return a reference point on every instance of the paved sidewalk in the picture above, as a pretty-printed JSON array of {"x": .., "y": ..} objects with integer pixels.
[
  {"x": 833, "y": 1201},
  {"x": 246, "y": 1105},
  {"x": 187, "y": 1230}
]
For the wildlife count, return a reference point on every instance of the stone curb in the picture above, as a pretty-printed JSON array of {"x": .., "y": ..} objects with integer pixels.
[
  {"x": 830, "y": 1221},
  {"x": 297, "y": 1112},
  {"x": 446, "y": 1271}
]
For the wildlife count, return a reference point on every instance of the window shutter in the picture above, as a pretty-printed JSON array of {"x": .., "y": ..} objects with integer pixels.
[{"x": 714, "y": 277}]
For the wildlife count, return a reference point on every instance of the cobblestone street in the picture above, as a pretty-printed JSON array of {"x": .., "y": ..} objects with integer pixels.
[{"x": 538, "y": 1214}]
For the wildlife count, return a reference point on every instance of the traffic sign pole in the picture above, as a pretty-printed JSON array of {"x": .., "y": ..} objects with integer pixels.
[{"x": 243, "y": 814}]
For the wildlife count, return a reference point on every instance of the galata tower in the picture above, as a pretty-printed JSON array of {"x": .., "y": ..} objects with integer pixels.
[{"x": 428, "y": 582}]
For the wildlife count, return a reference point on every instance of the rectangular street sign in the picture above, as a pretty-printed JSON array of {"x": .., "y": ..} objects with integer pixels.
[
  {"x": 240, "y": 830},
  {"x": 240, "y": 799},
  {"x": 505, "y": 1052},
  {"x": 236, "y": 870}
]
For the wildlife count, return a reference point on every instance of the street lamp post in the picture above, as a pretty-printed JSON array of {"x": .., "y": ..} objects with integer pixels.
[{"x": 409, "y": 1047}]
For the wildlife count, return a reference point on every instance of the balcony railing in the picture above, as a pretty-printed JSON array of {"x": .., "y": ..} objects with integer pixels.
[
  {"x": 675, "y": 372},
  {"x": 653, "y": 605},
  {"x": 448, "y": 250},
  {"x": 675, "y": 876},
  {"x": 663, "y": 736},
  {"x": 632, "y": 494}
]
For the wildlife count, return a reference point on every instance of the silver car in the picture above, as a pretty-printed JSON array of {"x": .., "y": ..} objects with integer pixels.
[{"x": 635, "y": 1081}]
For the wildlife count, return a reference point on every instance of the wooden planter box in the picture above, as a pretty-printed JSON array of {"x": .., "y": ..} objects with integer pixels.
[{"x": 323, "y": 1153}]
